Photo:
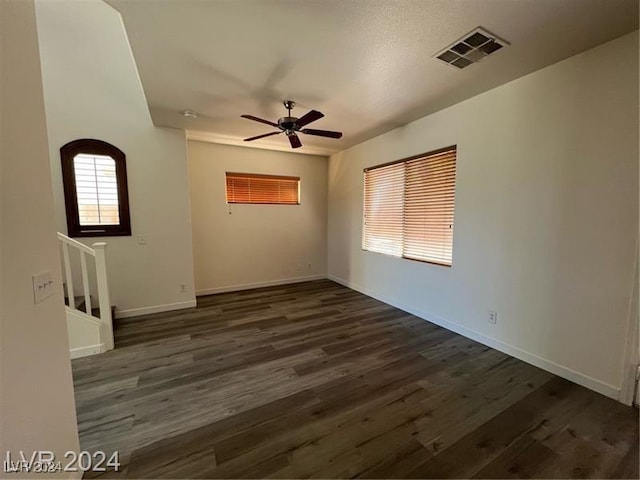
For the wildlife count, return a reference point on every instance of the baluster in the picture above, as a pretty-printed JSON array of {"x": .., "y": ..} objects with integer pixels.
[
  {"x": 85, "y": 282},
  {"x": 69, "y": 277}
]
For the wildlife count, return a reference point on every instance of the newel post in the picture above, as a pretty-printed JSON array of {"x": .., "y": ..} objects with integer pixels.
[{"x": 104, "y": 299}]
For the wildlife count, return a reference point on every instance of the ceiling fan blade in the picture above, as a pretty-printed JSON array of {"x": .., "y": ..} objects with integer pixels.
[
  {"x": 261, "y": 136},
  {"x": 309, "y": 117},
  {"x": 322, "y": 133},
  {"x": 261, "y": 120},
  {"x": 294, "y": 140}
]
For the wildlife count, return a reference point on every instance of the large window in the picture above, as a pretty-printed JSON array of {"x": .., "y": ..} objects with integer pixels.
[
  {"x": 409, "y": 207},
  {"x": 95, "y": 189},
  {"x": 265, "y": 189}
]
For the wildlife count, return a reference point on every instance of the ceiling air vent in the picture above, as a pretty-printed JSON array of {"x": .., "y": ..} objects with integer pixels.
[{"x": 472, "y": 48}]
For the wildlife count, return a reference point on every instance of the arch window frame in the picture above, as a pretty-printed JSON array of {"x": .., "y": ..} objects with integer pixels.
[{"x": 75, "y": 227}]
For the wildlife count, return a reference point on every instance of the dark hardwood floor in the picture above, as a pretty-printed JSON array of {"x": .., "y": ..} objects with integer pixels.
[{"x": 316, "y": 380}]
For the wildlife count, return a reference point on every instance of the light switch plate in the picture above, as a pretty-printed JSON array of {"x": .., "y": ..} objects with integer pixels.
[{"x": 42, "y": 286}]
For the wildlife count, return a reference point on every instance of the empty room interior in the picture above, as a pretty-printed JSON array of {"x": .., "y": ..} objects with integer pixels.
[{"x": 320, "y": 238}]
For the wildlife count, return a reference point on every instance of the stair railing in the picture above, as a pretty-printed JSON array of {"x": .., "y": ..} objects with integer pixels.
[{"x": 98, "y": 251}]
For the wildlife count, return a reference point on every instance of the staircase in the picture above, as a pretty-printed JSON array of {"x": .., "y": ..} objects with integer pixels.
[
  {"x": 81, "y": 304},
  {"x": 89, "y": 324}
]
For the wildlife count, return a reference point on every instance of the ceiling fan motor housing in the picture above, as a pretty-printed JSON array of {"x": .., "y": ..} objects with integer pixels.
[{"x": 287, "y": 123}]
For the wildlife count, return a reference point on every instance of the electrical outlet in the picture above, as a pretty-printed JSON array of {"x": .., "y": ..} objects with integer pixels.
[
  {"x": 493, "y": 317},
  {"x": 142, "y": 239},
  {"x": 309, "y": 267},
  {"x": 183, "y": 288}
]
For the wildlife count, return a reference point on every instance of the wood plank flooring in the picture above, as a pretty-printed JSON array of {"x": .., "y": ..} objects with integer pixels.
[{"x": 316, "y": 380}]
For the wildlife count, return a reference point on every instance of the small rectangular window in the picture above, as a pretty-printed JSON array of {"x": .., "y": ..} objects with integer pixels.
[
  {"x": 262, "y": 189},
  {"x": 409, "y": 207}
]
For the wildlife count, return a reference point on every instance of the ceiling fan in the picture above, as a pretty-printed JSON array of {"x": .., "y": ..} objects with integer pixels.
[{"x": 291, "y": 125}]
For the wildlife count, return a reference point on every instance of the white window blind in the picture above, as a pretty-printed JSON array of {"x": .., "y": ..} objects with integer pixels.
[
  {"x": 409, "y": 208},
  {"x": 383, "y": 209},
  {"x": 97, "y": 189}
]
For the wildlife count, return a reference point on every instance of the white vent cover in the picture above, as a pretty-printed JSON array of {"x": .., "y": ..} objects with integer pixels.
[{"x": 471, "y": 48}]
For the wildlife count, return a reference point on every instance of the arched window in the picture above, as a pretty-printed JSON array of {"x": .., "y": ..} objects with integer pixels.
[{"x": 94, "y": 174}]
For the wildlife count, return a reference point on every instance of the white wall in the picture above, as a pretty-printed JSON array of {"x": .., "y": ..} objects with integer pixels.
[
  {"x": 255, "y": 245},
  {"x": 92, "y": 90},
  {"x": 37, "y": 408},
  {"x": 546, "y": 218}
]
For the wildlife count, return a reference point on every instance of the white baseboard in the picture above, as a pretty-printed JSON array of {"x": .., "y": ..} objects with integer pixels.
[
  {"x": 86, "y": 351},
  {"x": 249, "y": 286},
  {"x": 136, "y": 312},
  {"x": 552, "y": 367}
]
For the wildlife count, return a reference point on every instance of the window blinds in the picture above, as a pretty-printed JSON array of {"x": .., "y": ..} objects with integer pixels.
[
  {"x": 97, "y": 189},
  {"x": 383, "y": 209},
  {"x": 409, "y": 207},
  {"x": 264, "y": 189}
]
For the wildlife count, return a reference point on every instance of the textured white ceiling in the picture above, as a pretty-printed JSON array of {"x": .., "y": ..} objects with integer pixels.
[{"x": 366, "y": 64}]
